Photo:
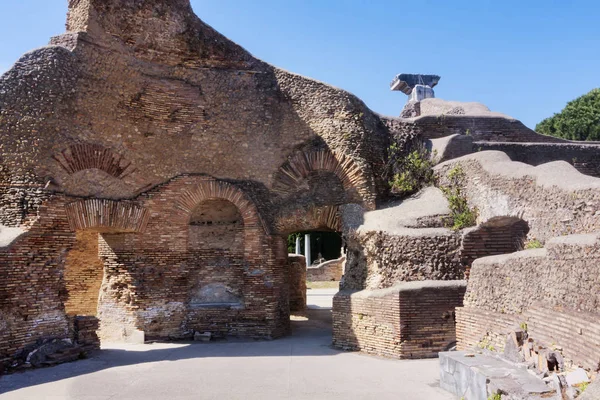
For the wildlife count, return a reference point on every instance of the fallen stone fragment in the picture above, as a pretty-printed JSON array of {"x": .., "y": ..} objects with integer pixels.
[{"x": 577, "y": 377}]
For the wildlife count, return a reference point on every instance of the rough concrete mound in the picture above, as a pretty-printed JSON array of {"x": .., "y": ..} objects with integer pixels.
[
  {"x": 445, "y": 107},
  {"x": 554, "y": 198},
  {"x": 425, "y": 209}
]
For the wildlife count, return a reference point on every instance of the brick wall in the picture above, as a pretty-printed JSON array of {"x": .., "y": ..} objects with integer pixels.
[
  {"x": 369, "y": 324},
  {"x": 297, "y": 281},
  {"x": 156, "y": 280},
  {"x": 576, "y": 332},
  {"x": 553, "y": 290},
  {"x": 32, "y": 289},
  {"x": 498, "y": 235},
  {"x": 410, "y": 320},
  {"x": 492, "y": 129},
  {"x": 85, "y": 330},
  {"x": 331, "y": 270}
]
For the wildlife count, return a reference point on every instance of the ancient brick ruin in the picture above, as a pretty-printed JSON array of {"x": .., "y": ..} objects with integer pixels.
[{"x": 151, "y": 171}]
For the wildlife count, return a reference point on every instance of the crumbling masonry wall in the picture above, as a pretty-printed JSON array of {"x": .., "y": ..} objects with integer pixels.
[
  {"x": 409, "y": 320},
  {"x": 552, "y": 291},
  {"x": 114, "y": 131},
  {"x": 297, "y": 282},
  {"x": 32, "y": 290},
  {"x": 554, "y": 199},
  {"x": 190, "y": 160},
  {"x": 378, "y": 260}
]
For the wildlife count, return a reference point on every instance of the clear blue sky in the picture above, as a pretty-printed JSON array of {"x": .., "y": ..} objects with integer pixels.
[{"x": 524, "y": 58}]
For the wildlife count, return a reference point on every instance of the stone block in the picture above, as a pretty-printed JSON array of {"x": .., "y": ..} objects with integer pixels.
[{"x": 577, "y": 377}]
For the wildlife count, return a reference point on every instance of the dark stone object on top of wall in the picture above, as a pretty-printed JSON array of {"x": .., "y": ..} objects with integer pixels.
[{"x": 407, "y": 82}]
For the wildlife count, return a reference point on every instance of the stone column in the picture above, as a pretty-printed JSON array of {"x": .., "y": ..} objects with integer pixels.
[
  {"x": 307, "y": 248},
  {"x": 298, "y": 252}
]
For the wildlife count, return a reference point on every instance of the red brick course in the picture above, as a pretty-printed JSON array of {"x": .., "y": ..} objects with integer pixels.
[{"x": 410, "y": 320}]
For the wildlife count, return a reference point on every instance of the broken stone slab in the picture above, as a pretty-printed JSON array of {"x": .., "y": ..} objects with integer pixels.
[
  {"x": 554, "y": 381},
  {"x": 512, "y": 347},
  {"x": 478, "y": 377},
  {"x": 577, "y": 377}
]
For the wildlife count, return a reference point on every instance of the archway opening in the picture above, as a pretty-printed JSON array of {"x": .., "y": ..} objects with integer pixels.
[
  {"x": 316, "y": 265},
  {"x": 83, "y": 277}
]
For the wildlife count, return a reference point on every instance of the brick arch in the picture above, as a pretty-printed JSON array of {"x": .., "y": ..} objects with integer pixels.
[
  {"x": 107, "y": 216},
  {"x": 213, "y": 190},
  {"x": 299, "y": 166},
  {"x": 83, "y": 156},
  {"x": 313, "y": 218}
]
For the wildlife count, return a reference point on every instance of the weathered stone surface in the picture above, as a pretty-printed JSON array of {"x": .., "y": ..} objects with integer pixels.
[
  {"x": 553, "y": 198},
  {"x": 592, "y": 392},
  {"x": 478, "y": 377},
  {"x": 561, "y": 308},
  {"x": 165, "y": 126}
]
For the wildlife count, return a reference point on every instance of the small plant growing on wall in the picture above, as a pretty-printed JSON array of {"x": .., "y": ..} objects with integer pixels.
[
  {"x": 462, "y": 216},
  {"x": 523, "y": 326},
  {"x": 412, "y": 172},
  {"x": 533, "y": 244}
]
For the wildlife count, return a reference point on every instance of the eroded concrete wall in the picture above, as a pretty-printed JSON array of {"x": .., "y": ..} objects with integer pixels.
[{"x": 552, "y": 291}]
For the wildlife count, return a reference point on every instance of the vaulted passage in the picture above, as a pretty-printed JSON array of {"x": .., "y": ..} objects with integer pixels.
[{"x": 83, "y": 275}]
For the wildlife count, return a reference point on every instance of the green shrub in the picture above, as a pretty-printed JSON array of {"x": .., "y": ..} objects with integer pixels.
[
  {"x": 462, "y": 216},
  {"x": 579, "y": 120},
  {"x": 415, "y": 171},
  {"x": 523, "y": 326}
]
